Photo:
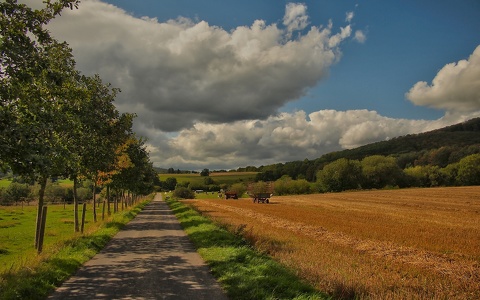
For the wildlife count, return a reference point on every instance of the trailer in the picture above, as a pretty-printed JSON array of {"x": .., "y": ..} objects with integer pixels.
[
  {"x": 261, "y": 198},
  {"x": 260, "y": 192},
  {"x": 231, "y": 195}
]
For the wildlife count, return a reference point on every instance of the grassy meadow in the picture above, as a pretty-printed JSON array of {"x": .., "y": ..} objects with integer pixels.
[
  {"x": 389, "y": 244},
  {"x": 17, "y": 231},
  {"x": 217, "y": 177},
  {"x": 24, "y": 274},
  {"x": 4, "y": 182}
]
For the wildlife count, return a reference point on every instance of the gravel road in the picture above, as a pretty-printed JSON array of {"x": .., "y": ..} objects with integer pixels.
[{"x": 151, "y": 258}]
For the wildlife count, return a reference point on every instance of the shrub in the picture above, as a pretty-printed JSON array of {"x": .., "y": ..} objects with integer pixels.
[{"x": 184, "y": 193}]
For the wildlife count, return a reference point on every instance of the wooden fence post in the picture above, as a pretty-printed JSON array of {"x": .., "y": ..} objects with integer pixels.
[
  {"x": 42, "y": 229},
  {"x": 84, "y": 211}
]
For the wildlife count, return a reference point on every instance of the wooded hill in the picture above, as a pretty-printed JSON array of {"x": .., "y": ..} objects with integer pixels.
[{"x": 438, "y": 147}]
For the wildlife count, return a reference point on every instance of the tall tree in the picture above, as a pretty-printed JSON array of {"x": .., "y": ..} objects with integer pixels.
[
  {"x": 340, "y": 175},
  {"x": 33, "y": 67}
]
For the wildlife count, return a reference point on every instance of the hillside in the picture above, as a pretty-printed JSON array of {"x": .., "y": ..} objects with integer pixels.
[
  {"x": 438, "y": 147},
  {"x": 459, "y": 136}
]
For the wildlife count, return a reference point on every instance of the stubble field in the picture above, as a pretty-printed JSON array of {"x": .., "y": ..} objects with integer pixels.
[{"x": 396, "y": 244}]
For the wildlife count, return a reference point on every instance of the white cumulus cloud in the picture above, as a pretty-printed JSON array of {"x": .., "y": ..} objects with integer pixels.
[
  {"x": 285, "y": 137},
  {"x": 455, "y": 88},
  {"x": 296, "y": 17},
  {"x": 176, "y": 73},
  {"x": 360, "y": 36}
]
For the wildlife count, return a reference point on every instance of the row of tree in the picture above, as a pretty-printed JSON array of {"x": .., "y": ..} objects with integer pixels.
[
  {"x": 54, "y": 121},
  {"x": 376, "y": 172}
]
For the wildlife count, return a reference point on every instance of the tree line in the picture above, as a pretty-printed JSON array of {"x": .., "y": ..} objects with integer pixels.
[
  {"x": 376, "y": 172},
  {"x": 55, "y": 121}
]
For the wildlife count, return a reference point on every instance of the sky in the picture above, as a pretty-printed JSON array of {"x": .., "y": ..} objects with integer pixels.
[{"x": 227, "y": 84}]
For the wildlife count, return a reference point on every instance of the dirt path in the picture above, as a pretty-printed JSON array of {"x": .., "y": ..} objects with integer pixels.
[{"x": 151, "y": 258}]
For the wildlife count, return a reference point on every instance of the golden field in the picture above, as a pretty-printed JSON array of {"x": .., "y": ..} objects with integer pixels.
[{"x": 395, "y": 244}]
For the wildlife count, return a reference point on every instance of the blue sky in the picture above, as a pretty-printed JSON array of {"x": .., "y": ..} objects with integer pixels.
[{"x": 226, "y": 84}]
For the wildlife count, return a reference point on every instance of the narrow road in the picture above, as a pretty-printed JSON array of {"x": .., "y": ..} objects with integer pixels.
[{"x": 151, "y": 258}]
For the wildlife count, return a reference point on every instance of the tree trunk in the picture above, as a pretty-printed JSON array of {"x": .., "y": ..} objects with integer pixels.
[
  {"x": 108, "y": 200},
  {"x": 84, "y": 211},
  {"x": 42, "y": 229},
  {"x": 41, "y": 194},
  {"x": 75, "y": 205}
]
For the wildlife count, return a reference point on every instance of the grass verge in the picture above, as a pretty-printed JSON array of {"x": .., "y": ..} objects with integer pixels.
[
  {"x": 37, "y": 278},
  {"x": 243, "y": 272}
]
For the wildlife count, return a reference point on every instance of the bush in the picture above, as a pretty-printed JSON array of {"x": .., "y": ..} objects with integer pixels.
[
  {"x": 16, "y": 192},
  {"x": 340, "y": 175},
  {"x": 238, "y": 188},
  {"x": 184, "y": 193},
  {"x": 469, "y": 170}
]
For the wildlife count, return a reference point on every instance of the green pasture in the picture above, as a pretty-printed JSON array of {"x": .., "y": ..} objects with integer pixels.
[
  {"x": 65, "y": 182},
  {"x": 24, "y": 274},
  {"x": 218, "y": 178},
  {"x": 4, "y": 183},
  {"x": 17, "y": 231}
]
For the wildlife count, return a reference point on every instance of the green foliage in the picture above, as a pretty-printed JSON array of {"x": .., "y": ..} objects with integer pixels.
[
  {"x": 15, "y": 193},
  {"x": 340, "y": 175},
  {"x": 238, "y": 188},
  {"x": 423, "y": 176},
  {"x": 288, "y": 186},
  {"x": 169, "y": 184},
  {"x": 379, "y": 171},
  {"x": 469, "y": 170},
  {"x": 205, "y": 172},
  {"x": 184, "y": 193}
]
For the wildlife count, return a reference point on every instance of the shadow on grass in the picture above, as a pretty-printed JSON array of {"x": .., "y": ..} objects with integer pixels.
[{"x": 243, "y": 272}]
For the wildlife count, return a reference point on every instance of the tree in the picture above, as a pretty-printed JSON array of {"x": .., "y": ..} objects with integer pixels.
[
  {"x": 96, "y": 131},
  {"x": 340, "y": 175},
  {"x": 16, "y": 192},
  {"x": 184, "y": 193},
  {"x": 238, "y": 188},
  {"x": 170, "y": 183},
  {"x": 34, "y": 69},
  {"x": 205, "y": 172},
  {"x": 380, "y": 171},
  {"x": 469, "y": 170}
]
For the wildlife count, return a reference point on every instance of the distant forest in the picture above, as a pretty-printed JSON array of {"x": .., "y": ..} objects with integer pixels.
[{"x": 437, "y": 148}]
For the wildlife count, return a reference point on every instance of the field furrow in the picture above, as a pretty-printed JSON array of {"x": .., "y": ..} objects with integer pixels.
[{"x": 418, "y": 243}]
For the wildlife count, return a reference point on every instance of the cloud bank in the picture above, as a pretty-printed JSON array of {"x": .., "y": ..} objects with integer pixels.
[
  {"x": 209, "y": 98},
  {"x": 281, "y": 138}
]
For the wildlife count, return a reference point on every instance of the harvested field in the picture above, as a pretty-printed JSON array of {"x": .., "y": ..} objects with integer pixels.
[{"x": 396, "y": 244}]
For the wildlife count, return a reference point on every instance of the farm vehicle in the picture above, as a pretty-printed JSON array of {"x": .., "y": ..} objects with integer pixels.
[{"x": 260, "y": 192}]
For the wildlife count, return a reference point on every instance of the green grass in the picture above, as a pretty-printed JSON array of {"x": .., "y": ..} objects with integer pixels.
[
  {"x": 243, "y": 272},
  {"x": 4, "y": 182},
  {"x": 17, "y": 231},
  {"x": 33, "y": 276},
  {"x": 65, "y": 182},
  {"x": 221, "y": 178}
]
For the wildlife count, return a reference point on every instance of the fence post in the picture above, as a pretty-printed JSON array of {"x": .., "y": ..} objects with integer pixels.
[
  {"x": 42, "y": 229},
  {"x": 84, "y": 210}
]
